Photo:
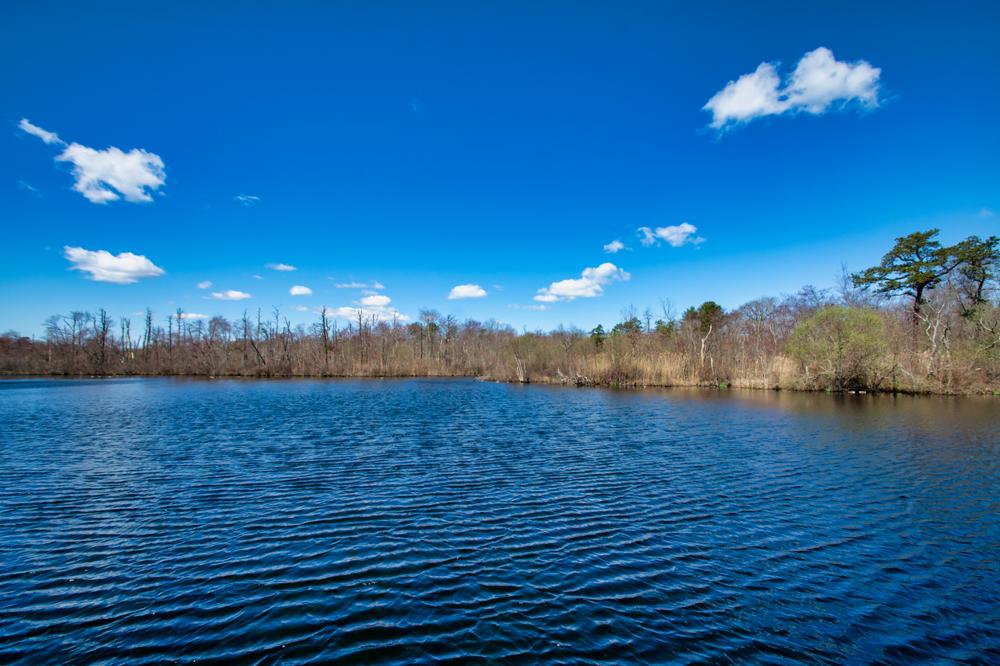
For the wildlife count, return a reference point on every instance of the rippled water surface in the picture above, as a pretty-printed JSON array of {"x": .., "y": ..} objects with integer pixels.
[{"x": 428, "y": 520}]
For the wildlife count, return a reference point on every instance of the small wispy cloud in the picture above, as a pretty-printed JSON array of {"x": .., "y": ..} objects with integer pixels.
[
  {"x": 28, "y": 187},
  {"x": 614, "y": 247},
  {"x": 246, "y": 199},
  {"x": 354, "y": 284},
  {"x": 986, "y": 212},
  {"x": 280, "y": 267},
  {"x": 675, "y": 235},
  {"x": 193, "y": 315},
  {"x": 106, "y": 175},
  {"x": 102, "y": 266},
  {"x": 230, "y": 295},
  {"x": 34, "y": 130},
  {"x": 300, "y": 290},
  {"x": 205, "y": 284},
  {"x": 590, "y": 284},
  {"x": 539, "y": 307},
  {"x": 466, "y": 291},
  {"x": 818, "y": 84}
]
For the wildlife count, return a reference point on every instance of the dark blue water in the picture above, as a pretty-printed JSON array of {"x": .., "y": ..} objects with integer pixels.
[{"x": 416, "y": 521}]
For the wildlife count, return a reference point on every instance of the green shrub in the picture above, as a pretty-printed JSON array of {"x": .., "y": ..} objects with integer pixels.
[{"x": 841, "y": 347}]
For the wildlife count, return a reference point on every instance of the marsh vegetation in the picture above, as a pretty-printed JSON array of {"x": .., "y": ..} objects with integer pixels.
[{"x": 926, "y": 319}]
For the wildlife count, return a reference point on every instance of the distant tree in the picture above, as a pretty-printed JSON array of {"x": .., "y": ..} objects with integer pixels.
[
  {"x": 707, "y": 315},
  {"x": 631, "y": 326},
  {"x": 666, "y": 328},
  {"x": 707, "y": 318},
  {"x": 598, "y": 336},
  {"x": 978, "y": 264},
  {"x": 916, "y": 264}
]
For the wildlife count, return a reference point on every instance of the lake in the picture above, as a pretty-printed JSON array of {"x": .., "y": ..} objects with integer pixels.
[{"x": 387, "y": 521}]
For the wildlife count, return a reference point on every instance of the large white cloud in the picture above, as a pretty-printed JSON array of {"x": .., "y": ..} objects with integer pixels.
[
  {"x": 109, "y": 174},
  {"x": 818, "y": 84},
  {"x": 102, "y": 266},
  {"x": 300, "y": 290},
  {"x": 675, "y": 235},
  {"x": 466, "y": 291},
  {"x": 230, "y": 295},
  {"x": 591, "y": 283}
]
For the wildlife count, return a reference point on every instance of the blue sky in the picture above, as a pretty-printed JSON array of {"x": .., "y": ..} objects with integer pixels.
[{"x": 428, "y": 145}]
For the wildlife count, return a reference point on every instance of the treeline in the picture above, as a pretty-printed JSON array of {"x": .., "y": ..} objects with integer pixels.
[{"x": 926, "y": 319}]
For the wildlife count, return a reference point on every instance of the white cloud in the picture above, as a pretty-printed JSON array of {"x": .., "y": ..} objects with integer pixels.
[
  {"x": 205, "y": 284},
  {"x": 591, "y": 283},
  {"x": 230, "y": 295},
  {"x": 819, "y": 83},
  {"x": 109, "y": 174},
  {"x": 376, "y": 301},
  {"x": 102, "y": 266},
  {"x": 34, "y": 130},
  {"x": 466, "y": 291},
  {"x": 614, "y": 247},
  {"x": 193, "y": 315},
  {"x": 374, "y": 305},
  {"x": 280, "y": 267},
  {"x": 299, "y": 290},
  {"x": 246, "y": 199},
  {"x": 354, "y": 284},
  {"x": 301, "y": 308},
  {"x": 986, "y": 212},
  {"x": 536, "y": 308},
  {"x": 258, "y": 277},
  {"x": 675, "y": 235}
]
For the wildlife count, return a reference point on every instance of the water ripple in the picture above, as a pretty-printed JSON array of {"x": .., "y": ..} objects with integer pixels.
[{"x": 454, "y": 521}]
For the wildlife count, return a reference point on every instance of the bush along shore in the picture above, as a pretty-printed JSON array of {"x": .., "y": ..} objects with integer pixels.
[{"x": 925, "y": 320}]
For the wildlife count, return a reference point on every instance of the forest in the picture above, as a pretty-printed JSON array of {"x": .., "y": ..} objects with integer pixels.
[{"x": 926, "y": 319}]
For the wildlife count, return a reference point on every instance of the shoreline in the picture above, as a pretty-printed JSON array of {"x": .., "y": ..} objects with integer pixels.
[{"x": 543, "y": 381}]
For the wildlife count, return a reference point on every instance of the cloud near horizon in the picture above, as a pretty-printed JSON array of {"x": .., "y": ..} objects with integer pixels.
[
  {"x": 590, "y": 284},
  {"x": 230, "y": 295},
  {"x": 106, "y": 175},
  {"x": 354, "y": 284},
  {"x": 102, "y": 266},
  {"x": 675, "y": 235},
  {"x": 818, "y": 84},
  {"x": 466, "y": 291},
  {"x": 373, "y": 305}
]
